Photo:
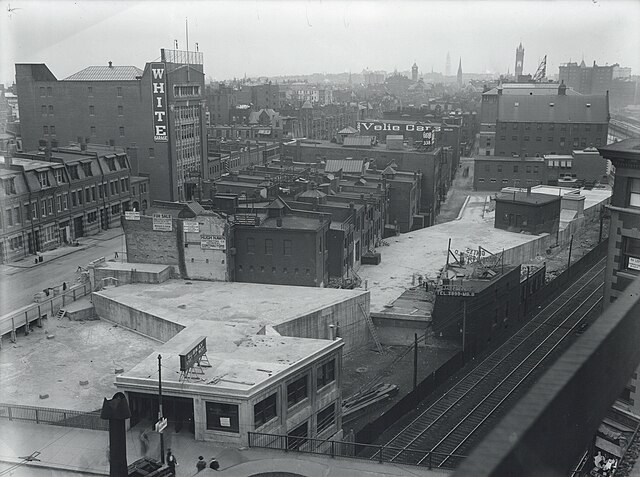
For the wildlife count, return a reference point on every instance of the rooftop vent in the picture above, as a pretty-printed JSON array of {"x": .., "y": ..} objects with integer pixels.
[
  {"x": 588, "y": 105},
  {"x": 551, "y": 105}
]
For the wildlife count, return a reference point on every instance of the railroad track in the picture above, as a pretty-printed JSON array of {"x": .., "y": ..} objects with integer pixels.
[{"x": 480, "y": 397}]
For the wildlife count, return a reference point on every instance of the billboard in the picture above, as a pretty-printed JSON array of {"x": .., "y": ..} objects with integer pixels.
[
  {"x": 162, "y": 222},
  {"x": 212, "y": 242},
  {"x": 159, "y": 97},
  {"x": 192, "y": 355},
  {"x": 416, "y": 131}
]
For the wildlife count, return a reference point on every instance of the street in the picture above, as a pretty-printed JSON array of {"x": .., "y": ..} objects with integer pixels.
[{"x": 18, "y": 285}]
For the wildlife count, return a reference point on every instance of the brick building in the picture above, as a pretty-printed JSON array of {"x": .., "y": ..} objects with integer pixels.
[
  {"x": 492, "y": 173},
  {"x": 57, "y": 196},
  {"x": 623, "y": 257},
  {"x": 587, "y": 79},
  {"x": 282, "y": 247},
  {"x": 157, "y": 114},
  {"x": 527, "y": 212}
]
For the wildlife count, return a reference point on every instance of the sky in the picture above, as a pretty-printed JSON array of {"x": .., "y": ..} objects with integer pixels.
[{"x": 271, "y": 38}]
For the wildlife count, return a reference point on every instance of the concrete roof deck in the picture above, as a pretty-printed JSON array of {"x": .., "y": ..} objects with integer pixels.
[
  {"x": 253, "y": 304},
  {"x": 240, "y": 360},
  {"x": 592, "y": 196}
]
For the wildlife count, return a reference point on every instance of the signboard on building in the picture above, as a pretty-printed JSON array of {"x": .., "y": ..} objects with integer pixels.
[
  {"x": 193, "y": 353},
  {"x": 634, "y": 263},
  {"x": 380, "y": 126},
  {"x": 159, "y": 97},
  {"x": 192, "y": 227},
  {"x": 162, "y": 222},
  {"x": 212, "y": 242},
  {"x": 131, "y": 215}
]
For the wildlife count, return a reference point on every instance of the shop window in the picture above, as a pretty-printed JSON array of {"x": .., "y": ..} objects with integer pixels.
[
  {"x": 297, "y": 391},
  {"x": 264, "y": 411},
  {"x": 326, "y": 374},
  {"x": 222, "y": 417},
  {"x": 326, "y": 418},
  {"x": 630, "y": 254}
]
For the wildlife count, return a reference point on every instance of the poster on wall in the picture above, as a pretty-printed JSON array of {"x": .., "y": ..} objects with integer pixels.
[
  {"x": 191, "y": 227},
  {"x": 212, "y": 242},
  {"x": 162, "y": 222}
]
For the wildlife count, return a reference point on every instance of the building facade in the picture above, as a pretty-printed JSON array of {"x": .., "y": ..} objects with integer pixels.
[
  {"x": 527, "y": 212},
  {"x": 623, "y": 257},
  {"x": 157, "y": 114},
  {"x": 57, "y": 196}
]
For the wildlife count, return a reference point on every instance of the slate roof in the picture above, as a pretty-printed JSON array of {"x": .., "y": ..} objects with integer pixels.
[
  {"x": 106, "y": 73},
  {"x": 565, "y": 109},
  {"x": 357, "y": 141}
]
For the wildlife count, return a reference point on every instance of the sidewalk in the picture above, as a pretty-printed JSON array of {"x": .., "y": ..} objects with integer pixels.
[
  {"x": 85, "y": 451},
  {"x": 63, "y": 250}
]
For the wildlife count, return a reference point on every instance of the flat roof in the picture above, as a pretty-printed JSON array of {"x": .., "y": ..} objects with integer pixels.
[
  {"x": 377, "y": 147},
  {"x": 524, "y": 197},
  {"x": 257, "y": 305},
  {"x": 509, "y": 159},
  {"x": 296, "y": 222}
]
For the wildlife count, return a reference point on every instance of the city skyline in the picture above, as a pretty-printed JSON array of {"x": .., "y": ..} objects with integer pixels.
[{"x": 285, "y": 38}]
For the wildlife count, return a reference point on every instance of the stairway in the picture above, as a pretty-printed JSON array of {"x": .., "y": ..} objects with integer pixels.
[
  {"x": 372, "y": 329},
  {"x": 61, "y": 313}
]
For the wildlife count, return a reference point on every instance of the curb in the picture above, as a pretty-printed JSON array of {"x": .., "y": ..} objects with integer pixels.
[
  {"x": 466, "y": 201},
  {"x": 47, "y": 465}
]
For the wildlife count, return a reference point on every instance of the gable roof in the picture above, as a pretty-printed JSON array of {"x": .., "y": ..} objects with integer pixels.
[
  {"x": 106, "y": 73},
  {"x": 346, "y": 165}
]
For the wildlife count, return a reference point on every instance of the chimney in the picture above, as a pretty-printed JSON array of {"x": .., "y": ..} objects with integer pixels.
[
  {"x": 562, "y": 89},
  {"x": 352, "y": 205},
  {"x": 279, "y": 222},
  {"x": 528, "y": 190},
  {"x": 110, "y": 64},
  {"x": 8, "y": 160}
]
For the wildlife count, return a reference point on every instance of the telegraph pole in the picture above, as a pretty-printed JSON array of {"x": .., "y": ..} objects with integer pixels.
[
  {"x": 415, "y": 360},
  {"x": 160, "y": 407},
  {"x": 464, "y": 329},
  {"x": 570, "y": 247}
]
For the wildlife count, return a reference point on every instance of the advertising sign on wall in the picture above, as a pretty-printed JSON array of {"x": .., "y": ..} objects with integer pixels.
[
  {"x": 193, "y": 227},
  {"x": 162, "y": 222},
  {"x": 212, "y": 242},
  {"x": 159, "y": 96}
]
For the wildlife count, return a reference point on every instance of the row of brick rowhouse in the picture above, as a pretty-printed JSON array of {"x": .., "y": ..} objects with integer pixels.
[{"x": 56, "y": 196}]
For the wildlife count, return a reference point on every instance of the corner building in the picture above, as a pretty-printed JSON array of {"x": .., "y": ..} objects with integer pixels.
[{"x": 124, "y": 106}]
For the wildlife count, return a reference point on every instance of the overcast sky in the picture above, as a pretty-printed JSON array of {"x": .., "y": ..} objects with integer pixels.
[{"x": 272, "y": 38}]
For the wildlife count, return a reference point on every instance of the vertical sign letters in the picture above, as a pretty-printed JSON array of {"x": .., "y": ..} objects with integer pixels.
[{"x": 159, "y": 96}]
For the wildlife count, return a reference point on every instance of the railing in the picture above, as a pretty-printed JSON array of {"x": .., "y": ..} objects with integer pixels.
[
  {"x": 10, "y": 322},
  {"x": 333, "y": 448},
  {"x": 55, "y": 417}
]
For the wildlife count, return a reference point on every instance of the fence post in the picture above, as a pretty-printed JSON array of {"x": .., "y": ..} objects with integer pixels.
[
  {"x": 333, "y": 451},
  {"x": 380, "y": 459},
  {"x": 26, "y": 323},
  {"x": 10, "y": 414},
  {"x": 51, "y": 303},
  {"x": 286, "y": 447},
  {"x": 74, "y": 294},
  {"x": 430, "y": 464},
  {"x": 37, "y": 419},
  {"x": 39, "y": 322}
]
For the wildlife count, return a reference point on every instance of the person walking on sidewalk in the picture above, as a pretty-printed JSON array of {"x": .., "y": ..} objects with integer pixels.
[
  {"x": 201, "y": 464},
  {"x": 214, "y": 464},
  {"x": 171, "y": 462}
]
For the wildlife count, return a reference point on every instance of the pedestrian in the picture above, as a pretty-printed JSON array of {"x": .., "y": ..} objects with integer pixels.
[
  {"x": 116, "y": 255},
  {"x": 171, "y": 462},
  {"x": 201, "y": 464},
  {"x": 64, "y": 286},
  {"x": 214, "y": 464}
]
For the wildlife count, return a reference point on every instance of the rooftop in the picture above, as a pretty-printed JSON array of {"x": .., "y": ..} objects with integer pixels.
[
  {"x": 106, "y": 73},
  {"x": 509, "y": 159},
  {"x": 537, "y": 89},
  {"x": 346, "y": 165},
  {"x": 556, "y": 109},
  {"x": 526, "y": 198}
]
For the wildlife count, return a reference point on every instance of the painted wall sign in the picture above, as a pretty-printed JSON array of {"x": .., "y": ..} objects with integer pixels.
[
  {"x": 189, "y": 226},
  {"x": 369, "y": 126},
  {"x": 163, "y": 222},
  {"x": 159, "y": 97},
  {"x": 131, "y": 215},
  {"x": 634, "y": 263},
  {"x": 212, "y": 242}
]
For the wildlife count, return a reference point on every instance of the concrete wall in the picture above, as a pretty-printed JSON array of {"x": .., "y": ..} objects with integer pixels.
[
  {"x": 132, "y": 275},
  {"x": 346, "y": 316},
  {"x": 136, "y": 320},
  {"x": 202, "y": 262}
]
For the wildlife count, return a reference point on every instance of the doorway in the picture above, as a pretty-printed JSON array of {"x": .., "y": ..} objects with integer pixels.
[{"x": 177, "y": 410}]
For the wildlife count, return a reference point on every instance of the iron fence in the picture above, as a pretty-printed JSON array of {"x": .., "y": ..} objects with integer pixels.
[
  {"x": 55, "y": 417},
  {"x": 355, "y": 450}
]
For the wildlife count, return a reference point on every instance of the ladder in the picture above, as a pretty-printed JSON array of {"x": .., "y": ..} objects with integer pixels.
[
  {"x": 372, "y": 329},
  {"x": 61, "y": 313}
]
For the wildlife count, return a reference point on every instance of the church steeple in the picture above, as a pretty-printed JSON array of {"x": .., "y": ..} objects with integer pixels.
[
  {"x": 460, "y": 73},
  {"x": 519, "y": 60}
]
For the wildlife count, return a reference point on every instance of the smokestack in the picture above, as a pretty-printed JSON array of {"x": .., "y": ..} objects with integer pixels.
[
  {"x": 562, "y": 89},
  {"x": 117, "y": 411}
]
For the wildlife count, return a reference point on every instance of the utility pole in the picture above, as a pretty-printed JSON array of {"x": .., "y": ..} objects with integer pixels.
[
  {"x": 415, "y": 360},
  {"x": 160, "y": 407}
]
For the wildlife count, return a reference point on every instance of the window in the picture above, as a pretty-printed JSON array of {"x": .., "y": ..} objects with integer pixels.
[
  {"x": 268, "y": 246},
  {"x": 251, "y": 245},
  {"x": 296, "y": 437},
  {"x": 45, "y": 130},
  {"x": 9, "y": 215},
  {"x": 49, "y": 91},
  {"x": 326, "y": 374},
  {"x": 297, "y": 391},
  {"x": 50, "y": 205},
  {"x": 527, "y": 126},
  {"x": 87, "y": 195},
  {"x": 562, "y": 141},
  {"x": 34, "y": 210},
  {"x": 92, "y": 111},
  {"x": 222, "y": 417},
  {"x": 121, "y": 129},
  {"x": 630, "y": 254},
  {"x": 120, "y": 111},
  {"x": 43, "y": 178},
  {"x": 576, "y": 141},
  {"x": 499, "y": 168},
  {"x": 93, "y": 193},
  {"x": 538, "y": 139},
  {"x": 43, "y": 207},
  {"x": 90, "y": 90},
  {"x": 514, "y": 138},
  {"x": 59, "y": 174},
  {"x": 515, "y": 125},
  {"x": 535, "y": 169},
  {"x": 86, "y": 169},
  {"x": 152, "y": 152},
  {"x": 122, "y": 161},
  {"x": 634, "y": 192},
  {"x": 92, "y": 217},
  {"x": 286, "y": 247},
  {"x": 43, "y": 109},
  {"x": 59, "y": 203},
  {"x": 111, "y": 163},
  {"x": 326, "y": 417},
  {"x": 539, "y": 126},
  {"x": 117, "y": 185},
  {"x": 528, "y": 169},
  {"x": 264, "y": 411},
  {"x": 115, "y": 209},
  {"x": 526, "y": 138},
  {"x": 515, "y": 168},
  {"x": 80, "y": 197},
  {"x": 42, "y": 93},
  {"x": 119, "y": 91},
  {"x": 93, "y": 130},
  {"x": 550, "y": 139},
  {"x": 53, "y": 130}
]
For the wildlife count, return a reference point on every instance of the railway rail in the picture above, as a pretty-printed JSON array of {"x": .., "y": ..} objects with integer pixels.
[{"x": 482, "y": 395}]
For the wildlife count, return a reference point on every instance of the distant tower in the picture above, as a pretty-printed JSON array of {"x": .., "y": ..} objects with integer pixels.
[
  {"x": 414, "y": 72},
  {"x": 447, "y": 68},
  {"x": 519, "y": 60},
  {"x": 460, "y": 73}
]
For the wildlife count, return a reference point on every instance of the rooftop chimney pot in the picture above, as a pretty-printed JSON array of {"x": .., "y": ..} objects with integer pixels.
[{"x": 110, "y": 64}]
